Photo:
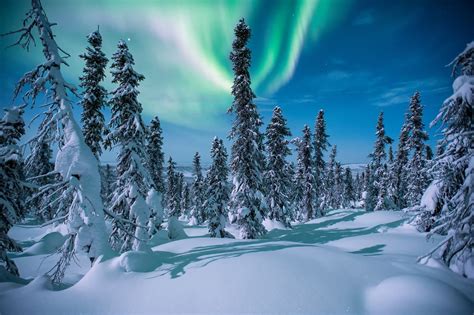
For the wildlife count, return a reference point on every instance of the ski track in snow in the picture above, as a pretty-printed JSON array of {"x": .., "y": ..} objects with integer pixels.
[{"x": 348, "y": 262}]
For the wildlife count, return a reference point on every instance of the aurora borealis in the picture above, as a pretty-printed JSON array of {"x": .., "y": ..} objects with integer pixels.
[{"x": 341, "y": 55}]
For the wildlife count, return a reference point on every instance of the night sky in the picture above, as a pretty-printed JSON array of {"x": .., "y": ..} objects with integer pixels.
[{"x": 351, "y": 58}]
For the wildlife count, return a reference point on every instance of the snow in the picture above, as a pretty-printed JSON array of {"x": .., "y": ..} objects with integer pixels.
[
  {"x": 348, "y": 262},
  {"x": 430, "y": 196}
]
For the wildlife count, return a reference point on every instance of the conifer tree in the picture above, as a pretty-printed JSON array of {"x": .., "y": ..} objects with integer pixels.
[
  {"x": 179, "y": 190},
  {"x": 186, "y": 200},
  {"x": 172, "y": 199},
  {"x": 129, "y": 132},
  {"x": 330, "y": 183},
  {"x": 109, "y": 179},
  {"x": 377, "y": 193},
  {"x": 94, "y": 95},
  {"x": 156, "y": 157},
  {"x": 349, "y": 189},
  {"x": 305, "y": 177},
  {"x": 247, "y": 201},
  {"x": 399, "y": 169},
  {"x": 85, "y": 220},
  {"x": 198, "y": 213},
  {"x": 454, "y": 212},
  {"x": 217, "y": 194},
  {"x": 416, "y": 171},
  {"x": 320, "y": 145},
  {"x": 12, "y": 187},
  {"x": 277, "y": 179}
]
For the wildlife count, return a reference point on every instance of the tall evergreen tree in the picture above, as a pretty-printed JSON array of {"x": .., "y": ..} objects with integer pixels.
[
  {"x": 109, "y": 179},
  {"x": 330, "y": 183},
  {"x": 305, "y": 177},
  {"x": 400, "y": 170},
  {"x": 277, "y": 179},
  {"x": 93, "y": 98},
  {"x": 156, "y": 157},
  {"x": 377, "y": 193},
  {"x": 186, "y": 200},
  {"x": 133, "y": 180},
  {"x": 217, "y": 194},
  {"x": 247, "y": 201},
  {"x": 198, "y": 212},
  {"x": 12, "y": 187},
  {"x": 172, "y": 199},
  {"x": 320, "y": 145},
  {"x": 454, "y": 212},
  {"x": 416, "y": 174},
  {"x": 179, "y": 190},
  {"x": 349, "y": 189}
]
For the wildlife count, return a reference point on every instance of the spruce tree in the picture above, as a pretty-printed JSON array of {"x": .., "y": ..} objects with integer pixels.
[
  {"x": 109, "y": 179},
  {"x": 172, "y": 199},
  {"x": 186, "y": 200},
  {"x": 94, "y": 95},
  {"x": 416, "y": 171},
  {"x": 400, "y": 176},
  {"x": 377, "y": 193},
  {"x": 454, "y": 213},
  {"x": 156, "y": 157},
  {"x": 320, "y": 145},
  {"x": 129, "y": 133},
  {"x": 179, "y": 190},
  {"x": 217, "y": 194},
  {"x": 349, "y": 189},
  {"x": 198, "y": 213},
  {"x": 330, "y": 182},
  {"x": 12, "y": 183},
  {"x": 277, "y": 177},
  {"x": 305, "y": 177},
  {"x": 247, "y": 201}
]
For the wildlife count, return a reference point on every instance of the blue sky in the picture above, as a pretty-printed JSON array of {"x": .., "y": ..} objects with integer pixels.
[{"x": 351, "y": 58}]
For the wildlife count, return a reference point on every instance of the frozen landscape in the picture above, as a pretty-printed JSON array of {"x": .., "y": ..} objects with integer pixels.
[
  {"x": 223, "y": 180},
  {"x": 349, "y": 262}
]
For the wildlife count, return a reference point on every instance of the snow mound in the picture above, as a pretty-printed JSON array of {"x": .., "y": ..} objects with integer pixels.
[
  {"x": 139, "y": 261},
  {"x": 430, "y": 197},
  {"x": 274, "y": 224},
  {"x": 416, "y": 295},
  {"x": 47, "y": 244}
]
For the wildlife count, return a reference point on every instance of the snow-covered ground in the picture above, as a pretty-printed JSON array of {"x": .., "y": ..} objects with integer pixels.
[{"x": 349, "y": 262}]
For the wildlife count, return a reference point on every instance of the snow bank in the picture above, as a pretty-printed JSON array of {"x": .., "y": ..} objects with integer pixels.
[{"x": 416, "y": 295}]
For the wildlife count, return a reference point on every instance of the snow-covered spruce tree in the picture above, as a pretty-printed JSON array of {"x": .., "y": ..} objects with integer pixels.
[
  {"x": 400, "y": 176},
  {"x": 330, "y": 182},
  {"x": 130, "y": 211},
  {"x": 109, "y": 180},
  {"x": 94, "y": 95},
  {"x": 276, "y": 177},
  {"x": 376, "y": 192},
  {"x": 358, "y": 187},
  {"x": 12, "y": 187},
  {"x": 338, "y": 186},
  {"x": 198, "y": 213},
  {"x": 416, "y": 171},
  {"x": 217, "y": 194},
  {"x": 454, "y": 209},
  {"x": 320, "y": 145},
  {"x": 247, "y": 201},
  {"x": 175, "y": 229},
  {"x": 186, "y": 200},
  {"x": 179, "y": 190},
  {"x": 75, "y": 161},
  {"x": 172, "y": 200},
  {"x": 156, "y": 157},
  {"x": 390, "y": 170},
  {"x": 305, "y": 177},
  {"x": 349, "y": 189}
]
